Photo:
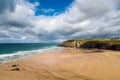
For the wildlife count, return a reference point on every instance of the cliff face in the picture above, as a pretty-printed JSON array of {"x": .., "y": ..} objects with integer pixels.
[
  {"x": 71, "y": 43},
  {"x": 68, "y": 44},
  {"x": 105, "y": 44}
]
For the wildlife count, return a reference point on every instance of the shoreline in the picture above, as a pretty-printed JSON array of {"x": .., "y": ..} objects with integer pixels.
[
  {"x": 23, "y": 54},
  {"x": 65, "y": 64}
]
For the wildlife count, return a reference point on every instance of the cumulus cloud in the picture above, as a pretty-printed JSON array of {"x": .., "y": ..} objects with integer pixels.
[{"x": 82, "y": 19}]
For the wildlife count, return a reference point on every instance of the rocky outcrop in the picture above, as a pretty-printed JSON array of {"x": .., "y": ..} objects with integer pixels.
[
  {"x": 90, "y": 44},
  {"x": 115, "y": 47},
  {"x": 100, "y": 45},
  {"x": 94, "y": 44},
  {"x": 70, "y": 43}
]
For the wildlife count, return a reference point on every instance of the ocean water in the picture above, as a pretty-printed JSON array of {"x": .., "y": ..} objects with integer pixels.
[{"x": 13, "y": 51}]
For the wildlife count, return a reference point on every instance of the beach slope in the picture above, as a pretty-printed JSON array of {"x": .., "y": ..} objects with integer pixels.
[{"x": 65, "y": 64}]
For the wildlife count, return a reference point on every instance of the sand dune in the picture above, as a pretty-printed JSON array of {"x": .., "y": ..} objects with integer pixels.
[{"x": 65, "y": 64}]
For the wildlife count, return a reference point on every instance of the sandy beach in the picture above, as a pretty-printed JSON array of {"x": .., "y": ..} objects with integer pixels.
[{"x": 65, "y": 64}]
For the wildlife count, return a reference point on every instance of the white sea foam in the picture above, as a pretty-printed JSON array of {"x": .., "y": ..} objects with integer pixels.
[{"x": 20, "y": 54}]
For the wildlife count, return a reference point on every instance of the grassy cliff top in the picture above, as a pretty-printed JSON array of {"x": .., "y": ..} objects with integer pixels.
[{"x": 109, "y": 41}]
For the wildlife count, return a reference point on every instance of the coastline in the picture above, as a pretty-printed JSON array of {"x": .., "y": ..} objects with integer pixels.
[
  {"x": 24, "y": 54},
  {"x": 65, "y": 64}
]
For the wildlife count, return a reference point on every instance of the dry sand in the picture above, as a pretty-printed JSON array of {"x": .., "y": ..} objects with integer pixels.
[{"x": 65, "y": 64}]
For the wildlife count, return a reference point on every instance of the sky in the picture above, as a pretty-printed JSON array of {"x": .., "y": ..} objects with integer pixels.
[{"x": 26, "y": 21}]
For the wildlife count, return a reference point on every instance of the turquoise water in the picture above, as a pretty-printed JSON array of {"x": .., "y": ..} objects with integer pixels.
[{"x": 12, "y": 51}]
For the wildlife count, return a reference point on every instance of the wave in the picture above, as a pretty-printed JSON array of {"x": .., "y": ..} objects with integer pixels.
[{"x": 21, "y": 54}]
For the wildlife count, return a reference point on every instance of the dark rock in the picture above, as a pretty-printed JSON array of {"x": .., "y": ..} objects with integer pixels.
[
  {"x": 98, "y": 45},
  {"x": 14, "y": 65},
  {"x": 115, "y": 47},
  {"x": 15, "y": 69},
  {"x": 103, "y": 46},
  {"x": 89, "y": 45}
]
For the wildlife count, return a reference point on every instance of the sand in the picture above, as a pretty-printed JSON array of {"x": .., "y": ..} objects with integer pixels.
[{"x": 65, "y": 64}]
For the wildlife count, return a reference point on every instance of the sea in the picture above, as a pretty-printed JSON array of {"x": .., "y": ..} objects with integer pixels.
[{"x": 14, "y": 51}]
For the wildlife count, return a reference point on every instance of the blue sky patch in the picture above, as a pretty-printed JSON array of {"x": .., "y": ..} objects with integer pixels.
[{"x": 51, "y": 7}]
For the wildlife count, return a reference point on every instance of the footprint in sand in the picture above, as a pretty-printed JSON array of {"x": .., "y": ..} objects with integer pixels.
[
  {"x": 15, "y": 68},
  {"x": 13, "y": 65}
]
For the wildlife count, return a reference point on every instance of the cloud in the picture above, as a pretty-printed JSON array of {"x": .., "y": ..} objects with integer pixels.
[
  {"x": 6, "y": 5},
  {"x": 47, "y": 10},
  {"x": 82, "y": 19}
]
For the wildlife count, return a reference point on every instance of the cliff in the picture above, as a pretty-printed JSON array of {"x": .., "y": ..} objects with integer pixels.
[{"x": 109, "y": 44}]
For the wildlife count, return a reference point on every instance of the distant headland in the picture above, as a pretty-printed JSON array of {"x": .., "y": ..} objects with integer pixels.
[{"x": 107, "y": 44}]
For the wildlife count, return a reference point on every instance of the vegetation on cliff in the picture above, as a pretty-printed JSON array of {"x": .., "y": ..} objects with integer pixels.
[{"x": 110, "y": 44}]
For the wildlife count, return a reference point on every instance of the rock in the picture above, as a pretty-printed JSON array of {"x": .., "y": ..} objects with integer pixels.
[
  {"x": 115, "y": 47},
  {"x": 94, "y": 44},
  {"x": 90, "y": 44},
  {"x": 15, "y": 69},
  {"x": 70, "y": 43},
  {"x": 103, "y": 46},
  {"x": 14, "y": 65}
]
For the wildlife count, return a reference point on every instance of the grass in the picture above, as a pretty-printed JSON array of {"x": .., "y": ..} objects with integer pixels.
[{"x": 109, "y": 41}]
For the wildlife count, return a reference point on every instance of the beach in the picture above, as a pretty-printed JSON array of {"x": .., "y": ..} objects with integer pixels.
[{"x": 65, "y": 64}]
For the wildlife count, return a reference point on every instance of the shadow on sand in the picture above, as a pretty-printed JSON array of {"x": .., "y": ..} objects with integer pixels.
[{"x": 93, "y": 51}]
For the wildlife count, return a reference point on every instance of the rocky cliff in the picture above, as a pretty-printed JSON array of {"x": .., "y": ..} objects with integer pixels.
[{"x": 93, "y": 43}]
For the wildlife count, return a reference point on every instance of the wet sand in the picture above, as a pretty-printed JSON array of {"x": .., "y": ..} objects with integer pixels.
[{"x": 65, "y": 64}]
